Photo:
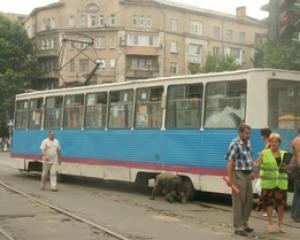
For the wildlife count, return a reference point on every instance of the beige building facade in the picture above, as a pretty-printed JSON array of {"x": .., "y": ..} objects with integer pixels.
[
  {"x": 15, "y": 17},
  {"x": 133, "y": 39}
]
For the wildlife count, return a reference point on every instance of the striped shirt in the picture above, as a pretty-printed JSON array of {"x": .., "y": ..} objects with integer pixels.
[{"x": 241, "y": 154}]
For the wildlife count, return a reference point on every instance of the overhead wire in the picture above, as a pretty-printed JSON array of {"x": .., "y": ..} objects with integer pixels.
[{"x": 81, "y": 51}]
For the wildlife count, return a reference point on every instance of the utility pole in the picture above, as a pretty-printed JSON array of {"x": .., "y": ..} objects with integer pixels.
[{"x": 273, "y": 24}]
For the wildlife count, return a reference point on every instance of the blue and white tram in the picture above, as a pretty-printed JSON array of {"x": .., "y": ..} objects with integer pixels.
[{"x": 182, "y": 124}]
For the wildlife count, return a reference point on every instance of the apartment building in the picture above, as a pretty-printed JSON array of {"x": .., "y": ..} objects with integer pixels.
[
  {"x": 15, "y": 17},
  {"x": 133, "y": 39}
]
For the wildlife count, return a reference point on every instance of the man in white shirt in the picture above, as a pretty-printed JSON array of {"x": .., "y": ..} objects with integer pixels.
[{"x": 50, "y": 148}]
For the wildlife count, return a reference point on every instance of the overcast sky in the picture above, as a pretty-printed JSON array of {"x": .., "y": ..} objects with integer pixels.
[{"x": 253, "y": 6}]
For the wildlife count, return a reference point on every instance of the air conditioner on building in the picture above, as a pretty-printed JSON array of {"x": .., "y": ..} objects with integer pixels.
[{"x": 122, "y": 42}]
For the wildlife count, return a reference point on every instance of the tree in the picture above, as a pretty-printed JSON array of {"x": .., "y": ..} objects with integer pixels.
[
  {"x": 216, "y": 64},
  {"x": 278, "y": 54},
  {"x": 16, "y": 66}
]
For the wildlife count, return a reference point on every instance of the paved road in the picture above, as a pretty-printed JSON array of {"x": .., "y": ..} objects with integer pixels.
[{"x": 118, "y": 207}]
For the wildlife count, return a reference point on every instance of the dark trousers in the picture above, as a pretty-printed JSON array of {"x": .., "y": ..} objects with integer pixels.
[
  {"x": 296, "y": 200},
  {"x": 242, "y": 202}
]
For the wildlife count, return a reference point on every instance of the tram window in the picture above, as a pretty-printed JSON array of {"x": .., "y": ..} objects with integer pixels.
[
  {"x": 284, "y": 98},
  {"x": 35, "y": 113},
  {"x": 184, "y": 107},
  {"x": 95, "y": 112},
  {"x": 148, "y": 108},
  {"x": 53, "y": 112},
  {"x": 225, "y": 104},
  {"x": 73, "y": 111},
  {"x": 22, "y": 114},
  {"x": 120, "y": 109}
]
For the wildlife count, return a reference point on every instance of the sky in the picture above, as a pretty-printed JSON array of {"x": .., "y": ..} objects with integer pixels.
[{"x": 228, "y": 6}]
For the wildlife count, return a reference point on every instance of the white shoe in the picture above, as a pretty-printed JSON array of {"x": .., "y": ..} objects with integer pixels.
[{"x": 265, "y": 214}]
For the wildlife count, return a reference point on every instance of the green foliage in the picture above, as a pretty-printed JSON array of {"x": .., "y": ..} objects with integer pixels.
[
  {"x": 279, "y": 55},
  {"x": 215, "y": 64},
  {"x": 16, "y": 65}
]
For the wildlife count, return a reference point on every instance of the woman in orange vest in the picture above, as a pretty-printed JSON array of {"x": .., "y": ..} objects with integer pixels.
[{"x": 274, "y": 181}]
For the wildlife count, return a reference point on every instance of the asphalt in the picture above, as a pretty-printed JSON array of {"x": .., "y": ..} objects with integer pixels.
[{"x": 117, "y": 206}]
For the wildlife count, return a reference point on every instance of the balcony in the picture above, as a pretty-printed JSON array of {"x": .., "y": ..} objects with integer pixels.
[
  {"x": 141, "y": 74},
  {"x": 47, "y": 53},
  {"x": 48, "y": 75},
  {"x": 144, "y": 51}
]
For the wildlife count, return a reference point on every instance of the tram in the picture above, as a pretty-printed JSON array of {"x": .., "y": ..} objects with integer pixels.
[{"x": 133, "y": 130}]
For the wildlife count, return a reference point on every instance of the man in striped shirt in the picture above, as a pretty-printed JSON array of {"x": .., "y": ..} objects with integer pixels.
[{"x": 239, "y": 168}]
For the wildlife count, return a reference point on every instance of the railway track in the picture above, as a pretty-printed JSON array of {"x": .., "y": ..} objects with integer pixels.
[
  {"x": 6, "y": 235},
  {"x": 59, "y": 210},
  {"x": 229, "y": 209},
  {"x": 216, "y": 206}
]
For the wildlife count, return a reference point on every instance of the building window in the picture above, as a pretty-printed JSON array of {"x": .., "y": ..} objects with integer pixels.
[
  {"x": 100, "y": 42},
  {"x": 101, "y": 21},
  {"x": 258, "y": 38},
  {"x": 141, "y": 40},
  {"x": 48, "y": 24},
  {"x": 174, "y": 68},
  {"x": 83, "y": 65},
  {"x": 84, "y": 43},
  {"x": 72, "y": 45},
  {"x": 141, "y": 64},
  {"x": 93, "y": 21},
  {"x": 83, "y": 21},
  {"x": 112, "y": 41},
  {"x": 195, "y": 50},
  {"x": 216, "y": 51},
  {"x": 52, "y": 23},
  {"x": 217, "y": 33},
  {"x": 174, "y": 24},
  {"x": 52, "y": 43},
  {"x": 174, "y": 47},
  {"x": 141, "y": 20},
  {"x": 236, "y": 53},
  {"x": 135, "y": 20},
  {"x": 71, "y": 21},
  {"x": 72, "y": 66},
  {"x": 148, "y": 112},
  {"x": 48, "y": 44},
  {"x": 242, "y": 37},
  {"x": 149, "y": 21},
  {"x": 196, "y": 27},
  {"x": 112, "y": 20},
  {"x": 229, "y": 35}
]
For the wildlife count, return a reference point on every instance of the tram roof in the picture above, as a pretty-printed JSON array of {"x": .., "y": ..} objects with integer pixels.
[{"x": 154, "y": 80}]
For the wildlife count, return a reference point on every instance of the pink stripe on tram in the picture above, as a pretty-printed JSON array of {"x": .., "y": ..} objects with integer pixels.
[{"x": 139, "y": 165}]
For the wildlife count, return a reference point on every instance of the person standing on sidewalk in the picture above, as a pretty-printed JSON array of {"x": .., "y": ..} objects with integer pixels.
[
  {"x": 50, "y": 148},
  {"x": 239, "y": 168},
  {"x": 274, "y": 181}
]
